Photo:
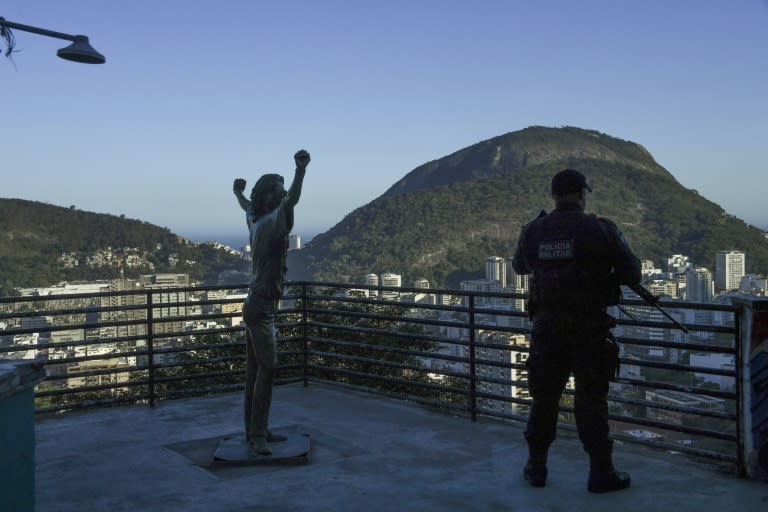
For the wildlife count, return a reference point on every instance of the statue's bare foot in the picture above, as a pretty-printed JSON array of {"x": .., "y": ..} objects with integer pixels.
[
  {"x": 275, "y": 438},
  {"x": 259, "y": 446}
]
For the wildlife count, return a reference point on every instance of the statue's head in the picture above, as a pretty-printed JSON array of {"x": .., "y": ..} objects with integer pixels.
[{"x": 267, "y": 193}]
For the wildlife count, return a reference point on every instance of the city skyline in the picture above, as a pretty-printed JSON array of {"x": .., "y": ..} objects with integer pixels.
[{"x": 192, "y": 97}]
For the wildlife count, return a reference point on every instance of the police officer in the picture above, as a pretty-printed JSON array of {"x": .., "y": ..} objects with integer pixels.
[{"x": 577, "y": 262}]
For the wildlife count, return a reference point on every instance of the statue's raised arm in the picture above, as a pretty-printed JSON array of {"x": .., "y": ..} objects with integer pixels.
[
  {"x": 238, "y": 188},
  {"x": 302, "y": 160}
]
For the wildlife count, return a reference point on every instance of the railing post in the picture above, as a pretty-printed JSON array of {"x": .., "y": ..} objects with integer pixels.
[
  {"x": 752, "y": 386},
  {"x": 472, "y": 369},
  {"x": 150, "y": 349},
  {"x": 741, "y": 468},
  {"x": 305, "y": 332}
]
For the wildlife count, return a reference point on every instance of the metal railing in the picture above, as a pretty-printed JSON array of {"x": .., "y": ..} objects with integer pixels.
[{"x": 459, "y": 351}]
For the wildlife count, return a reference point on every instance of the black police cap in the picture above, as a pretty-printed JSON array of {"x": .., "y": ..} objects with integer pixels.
[{"x": 569, "y": 181}]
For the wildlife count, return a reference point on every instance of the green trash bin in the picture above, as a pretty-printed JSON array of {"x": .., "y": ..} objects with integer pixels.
[{"x": 17, "y": 433}]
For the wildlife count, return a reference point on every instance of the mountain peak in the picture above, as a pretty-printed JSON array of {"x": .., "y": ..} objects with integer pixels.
[{"x": 535, "y": 145}]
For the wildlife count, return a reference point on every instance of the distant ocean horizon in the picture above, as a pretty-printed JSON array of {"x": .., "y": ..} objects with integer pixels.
[{"x": 233, "y": 240}]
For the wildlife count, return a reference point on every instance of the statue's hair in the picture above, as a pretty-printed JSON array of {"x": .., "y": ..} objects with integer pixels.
[{"x": 259, "y": 192}]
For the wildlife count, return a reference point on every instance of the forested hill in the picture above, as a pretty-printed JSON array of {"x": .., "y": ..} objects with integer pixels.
[
  {"x": 444, "y": 218},
  {"x": 43, "y": 244}
]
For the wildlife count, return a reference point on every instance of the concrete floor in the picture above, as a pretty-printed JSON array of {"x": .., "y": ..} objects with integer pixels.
[{"x": 368, "y": 453}]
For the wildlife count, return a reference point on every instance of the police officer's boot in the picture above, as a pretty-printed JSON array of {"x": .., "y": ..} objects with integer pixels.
[
  {"x": 535, "y": 470},
  {"x": 603, "y": 477}
]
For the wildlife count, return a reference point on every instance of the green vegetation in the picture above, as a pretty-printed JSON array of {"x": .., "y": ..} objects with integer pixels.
[{"x": 339, "y": 354}]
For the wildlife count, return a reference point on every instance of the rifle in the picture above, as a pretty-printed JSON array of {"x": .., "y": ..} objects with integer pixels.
[{"x": 652, "y": 300}]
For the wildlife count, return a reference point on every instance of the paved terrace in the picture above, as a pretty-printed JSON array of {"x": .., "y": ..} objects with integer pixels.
[{"x": 369, "y": 453}]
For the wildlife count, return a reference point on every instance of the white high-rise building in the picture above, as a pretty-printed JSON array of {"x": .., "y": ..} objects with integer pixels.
[
  {"x": 512, "y": 348},
  {"x": 496, "y": 270},
  {"x": 519, "y": 281},
  {"x": 388, "y": 279},
  {"x": 700, "y": 288},
  {"x": 729, "y": 269},
  {"x": 294, "y": 242}
]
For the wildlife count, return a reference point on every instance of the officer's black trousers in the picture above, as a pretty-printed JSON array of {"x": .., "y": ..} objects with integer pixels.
[{"x": 562, "y": 343}]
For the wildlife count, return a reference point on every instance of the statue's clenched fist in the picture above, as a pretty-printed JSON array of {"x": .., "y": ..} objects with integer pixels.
[{"x": 302, "y": 159}]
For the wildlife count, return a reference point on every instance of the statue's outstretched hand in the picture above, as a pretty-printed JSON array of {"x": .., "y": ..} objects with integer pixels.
[
  {"x": 302, "y": 159},
  {"x": 239, "y": 185}
]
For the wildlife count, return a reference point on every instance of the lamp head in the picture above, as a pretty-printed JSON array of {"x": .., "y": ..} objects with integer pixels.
[{"x": 81, "y": 51}]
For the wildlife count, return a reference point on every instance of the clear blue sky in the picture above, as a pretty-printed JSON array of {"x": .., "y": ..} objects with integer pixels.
[{"x": 195, "y": 94}]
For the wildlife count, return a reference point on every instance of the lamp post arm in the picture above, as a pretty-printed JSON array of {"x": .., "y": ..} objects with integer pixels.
[{"x": 36, "y": 30}]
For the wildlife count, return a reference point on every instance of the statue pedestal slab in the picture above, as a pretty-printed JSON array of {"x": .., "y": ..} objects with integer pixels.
[{"x": 235, "y": 451}]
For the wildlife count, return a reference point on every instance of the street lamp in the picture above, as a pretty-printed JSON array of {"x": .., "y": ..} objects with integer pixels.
[{"x": 79, "y": 51}]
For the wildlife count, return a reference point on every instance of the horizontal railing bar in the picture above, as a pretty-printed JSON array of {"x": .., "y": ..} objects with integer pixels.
[
  {"x": 673, "y": 327},
  {"x": 613, "y": 397},
  {"x": 698, "y": 347},
  {"x": 82, "y": 310},
  {"x": 193, "y": 348},
  {"x": 96, "y": 372},
  {"x": 708, "y": 454},
  {"x": 74, "y": 327},
  {"x": 676, "y": 387},
  {"x": 675, "y": 408},
  {"x": 88, "y": 404},
  {"x": 198, "y": 362},
  {"x": 679, "y": 304},
  {"x": 96, "y": 357},
  {"x": 121, "y": 293},
  {"x": 218, "y": 360},
  {"x": 675, "y": 428},
  {"x": 78, "y": 343},
  {"x": 197, "y": 376},
  {"x": 88, "y": 389},
  {"x": 677, "y": 367},
  {"x": 617, "y": 399},
  {"x": 411, "y": 305}
]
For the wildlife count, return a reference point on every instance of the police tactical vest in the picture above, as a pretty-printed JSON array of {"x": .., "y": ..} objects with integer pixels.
[{"x": 572, "y": 262}]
